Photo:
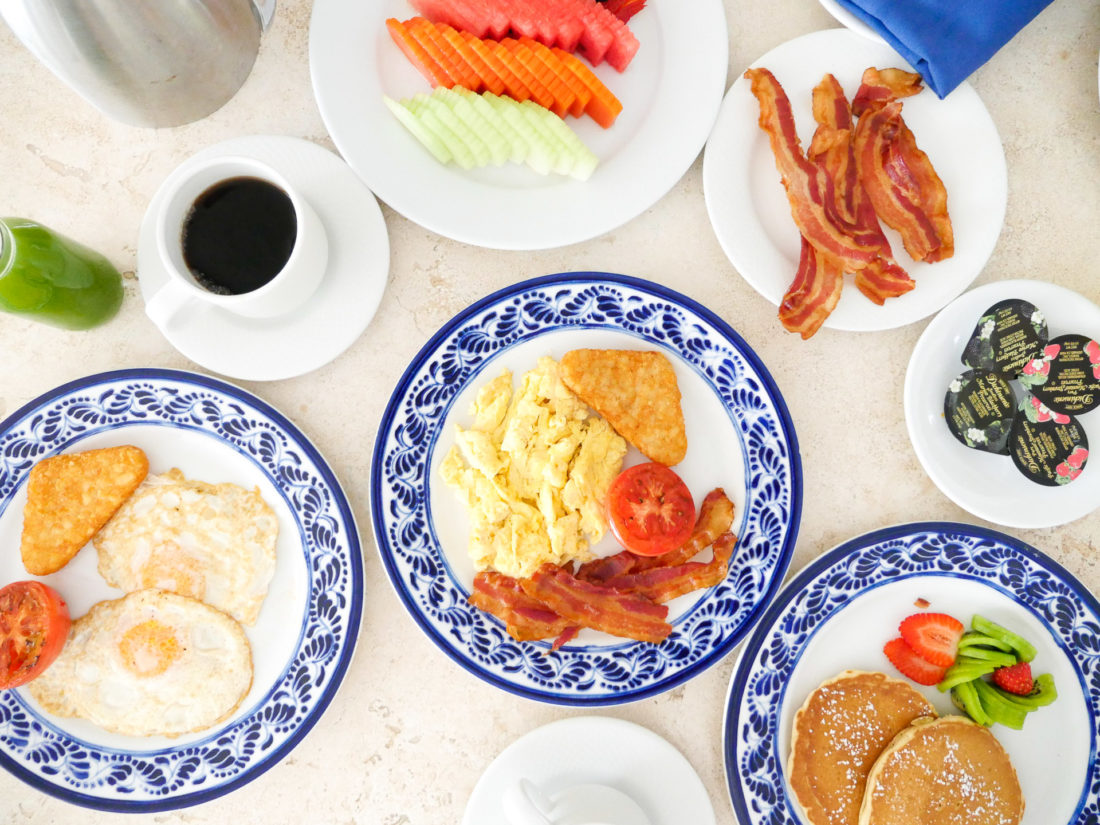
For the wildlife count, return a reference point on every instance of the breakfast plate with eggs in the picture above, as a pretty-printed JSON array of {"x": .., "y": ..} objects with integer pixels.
[
  {"x": 187, "y": 673},
  {"x": 430, "y": 532},
  {"x": 837, "y": 615}
]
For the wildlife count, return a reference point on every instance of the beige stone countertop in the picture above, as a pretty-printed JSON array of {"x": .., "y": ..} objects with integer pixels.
[{"x": 409, "y": 732}]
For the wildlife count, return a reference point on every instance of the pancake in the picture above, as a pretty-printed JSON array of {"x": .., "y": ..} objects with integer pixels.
[
  {"x": 947, "y": 771},
  {"x": 837, "y": 735}
]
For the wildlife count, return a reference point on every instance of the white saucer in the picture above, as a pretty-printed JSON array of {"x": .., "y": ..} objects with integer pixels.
[
  {"x": 268, "y": 349},
  {"x": 985, "y": 484},
  {"x": 849, "y": 20},
  {"x": 599, "y": 749}
]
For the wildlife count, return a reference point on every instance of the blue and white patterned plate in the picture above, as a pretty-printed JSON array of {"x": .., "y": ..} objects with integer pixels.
[
  {"x": 840, "y": 610},
  {"x": 302, "y": 641},
  {"x": 740, "y": 437}
]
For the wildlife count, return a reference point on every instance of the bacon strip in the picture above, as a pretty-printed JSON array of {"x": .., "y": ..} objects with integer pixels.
[
  {"x": 892, "y": 184},
  {"x": 881, "y": 86},
  {"x": 815, "y": 290},
  {"x": 933, "y": 194},
  {"x": 526, "y": 619},
  {"x": 813, "y": 294},
  {"x": 598, "y": 607},
  {"x": 809, "y": 189},
  {"x": 715, "y": 518},
  {"x": 663, "y": 584},
  {"x": 898, "y": 176}
]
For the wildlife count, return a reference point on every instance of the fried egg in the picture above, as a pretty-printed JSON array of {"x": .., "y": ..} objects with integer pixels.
[
  {"x": 213, "y": 542},
  {"x": 150, "y": 663}
]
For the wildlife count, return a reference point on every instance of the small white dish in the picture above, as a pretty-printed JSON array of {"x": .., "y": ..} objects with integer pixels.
[
  {"x": 752, "y": 217},
  {"x": 985, "y": 484},
  {"x": 269, "y": 349},
  {"x": 595, "y": 749},
  {"x": 670, "y": 93},
  {"x": 838, "y": 612},
  {"x": 586, "y": 804},
  {"x": 849, "y": 20}
]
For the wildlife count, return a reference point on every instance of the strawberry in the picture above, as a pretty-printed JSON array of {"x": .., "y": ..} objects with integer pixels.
[
  {"x": 905, "y": 659},
  {"x": 1014, "y": 678},
  {"x": 934, "y": 637}
]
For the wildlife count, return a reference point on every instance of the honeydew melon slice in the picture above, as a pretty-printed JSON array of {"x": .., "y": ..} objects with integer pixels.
[
  {"x": 584, "y": 160},
  {"x": 477, "y": 147},
  {"x": 537, "y": 116},
  {"x": 461, "y": 153},
  {"x": 464, "y": 110},
  {"x": 518, "y": 147},
  {"x": 423, "y": 134},
  {"x": 542, "y": 155}
]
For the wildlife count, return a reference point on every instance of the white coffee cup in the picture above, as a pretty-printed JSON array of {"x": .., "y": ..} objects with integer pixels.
[
  {"x": 289, "y": 289},
  {"x": 589, "y": 804}
]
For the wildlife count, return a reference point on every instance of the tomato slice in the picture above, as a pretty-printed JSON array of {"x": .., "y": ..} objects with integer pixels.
[
  {"x": 34, "y": 624},
  {"x": 651, "y": 509}
]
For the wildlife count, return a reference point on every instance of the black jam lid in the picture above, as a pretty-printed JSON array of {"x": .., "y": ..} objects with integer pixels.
[
  {"x": 979, "y": 409},
  {"x": 1067, "y": 376},
  {"x": 1008, "y": 335},
  {"x": 1052, "y": 449}
]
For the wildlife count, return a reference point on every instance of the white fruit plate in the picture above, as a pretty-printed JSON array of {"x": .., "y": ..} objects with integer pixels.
[{"x": 670, "y": 92}]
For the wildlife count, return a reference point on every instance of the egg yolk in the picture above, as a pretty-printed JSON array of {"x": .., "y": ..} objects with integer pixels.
[{"x": 149, "y": 648}]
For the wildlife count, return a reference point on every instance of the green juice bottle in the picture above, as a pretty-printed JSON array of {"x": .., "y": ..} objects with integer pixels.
[{"x": 50, "y": 278}]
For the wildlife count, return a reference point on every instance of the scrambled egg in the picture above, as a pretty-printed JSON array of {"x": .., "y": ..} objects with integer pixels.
[{"x": 533, "y": 471}]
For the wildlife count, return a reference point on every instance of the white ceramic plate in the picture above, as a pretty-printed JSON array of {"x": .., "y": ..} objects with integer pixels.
[
  {"x": 740, "y": 437},
  {"x": 988, "y": 485},
  {"x": 750, "y": 213},
  {"x": 302, "y": 641},
  {"x": 840, "y": 610},
  {"x": 595, "y": 749},
  {"x": 849, "y": 20},
  {"x": 270, "y": 349},
  {"x": 670, "y": 93}
]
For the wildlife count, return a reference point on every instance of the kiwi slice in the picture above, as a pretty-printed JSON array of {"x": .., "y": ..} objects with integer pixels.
[
  {"x": 1024, "y": 649},
  {"x": 997, "y": 707},
  {"x": 974, "y": 639},
  {"x": 965, "y": 698}
]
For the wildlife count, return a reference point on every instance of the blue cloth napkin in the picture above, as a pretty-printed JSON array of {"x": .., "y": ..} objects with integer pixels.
[{"x": 946, "y": 40}]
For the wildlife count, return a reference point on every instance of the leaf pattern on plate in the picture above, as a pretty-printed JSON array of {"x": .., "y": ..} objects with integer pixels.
[{"x": 40, "y": 752}]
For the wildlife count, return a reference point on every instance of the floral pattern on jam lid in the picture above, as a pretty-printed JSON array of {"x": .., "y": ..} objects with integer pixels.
[
  {"x": 1051, "y": 450},
  {"x": 1070, "y": 370},
  {"x": 980, "y": 408},
  {"x": 1008, "y": 335}
]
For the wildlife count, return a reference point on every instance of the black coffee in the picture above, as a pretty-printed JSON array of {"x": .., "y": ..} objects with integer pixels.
[{"x": 239, "y": 235}]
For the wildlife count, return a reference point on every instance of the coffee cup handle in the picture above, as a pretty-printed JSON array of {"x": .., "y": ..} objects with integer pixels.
[
  {"x": 162, "y": 305},
  {"x": 525, "y": 804}
]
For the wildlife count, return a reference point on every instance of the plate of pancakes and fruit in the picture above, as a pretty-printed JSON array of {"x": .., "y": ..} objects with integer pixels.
[
  {"x": 519, "y": 125},
  {"x": 186, "y": 577},
  {"x": 585, "y": 489},
  {"x": 927, "y": 672}
]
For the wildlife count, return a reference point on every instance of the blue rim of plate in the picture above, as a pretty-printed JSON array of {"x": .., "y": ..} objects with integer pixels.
[
  {"x": 588, "y": 675},
  {"x": 754, "y": 767},
  {"x": 36, "y": 750}
]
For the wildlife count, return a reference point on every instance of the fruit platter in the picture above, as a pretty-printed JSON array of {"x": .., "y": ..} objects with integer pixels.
[{"x": 623, "y": 143}]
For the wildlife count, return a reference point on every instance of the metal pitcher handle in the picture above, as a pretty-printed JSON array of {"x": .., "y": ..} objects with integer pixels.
[{"x": 265, "y": 9}]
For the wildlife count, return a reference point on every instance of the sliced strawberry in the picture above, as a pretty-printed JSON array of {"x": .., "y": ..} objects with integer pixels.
[
  {"x": 934, "y": 636},
  {"x": 905, "y": 659},
  {"x": 1014, "y": 678}
]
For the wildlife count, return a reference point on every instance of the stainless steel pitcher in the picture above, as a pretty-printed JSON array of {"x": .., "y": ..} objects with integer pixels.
[{"x": 145, "y": 62}]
